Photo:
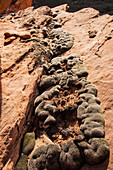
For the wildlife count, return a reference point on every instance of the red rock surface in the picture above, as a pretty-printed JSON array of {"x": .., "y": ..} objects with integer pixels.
[
  {"x": 4, "y": 4},
  {"x": 17, "y": 85},
  {"x": 14, "y": 5},
  {"x": 19, "y": 5}
]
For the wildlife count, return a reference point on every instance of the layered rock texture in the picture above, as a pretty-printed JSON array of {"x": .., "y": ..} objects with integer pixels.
[{"x": 51, "y": 117}]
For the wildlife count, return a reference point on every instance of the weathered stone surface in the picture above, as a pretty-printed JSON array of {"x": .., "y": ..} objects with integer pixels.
[
  {"x": 92, "y": 129},
  {"x": 17, "y": 86},
  {"x": 103, "y": 6},
  {"x": 15, "y": 75},
  {"x": 49, "y": 120},
  {"x": 65, "y": 80},
  {"x": 47, "y": 94},
  {"x": 43, "y": 115},
  {"x": 47, "y": 82},
  {"x": 4, "y": 4},
  {"x": 19, "y": 5},
  {"x": 9, "y": 40},
  {"x": 23, "y": 34}
]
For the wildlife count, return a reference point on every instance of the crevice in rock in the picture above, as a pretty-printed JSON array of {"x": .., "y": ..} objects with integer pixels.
[
  {"x": 102, "y": 44},
  {"x": 16, "y": 62},
  {"x": 21, "y": 127}
]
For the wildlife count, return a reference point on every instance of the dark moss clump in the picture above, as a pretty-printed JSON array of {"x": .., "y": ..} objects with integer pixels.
[
  {"x": 28, "y": 143},
  {"x": 22, "y": 163}
]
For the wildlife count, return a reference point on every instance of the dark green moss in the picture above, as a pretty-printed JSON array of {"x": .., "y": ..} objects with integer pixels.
[
  {"x": 22, "y": 163},
  {"x": 28, "y": 143}
]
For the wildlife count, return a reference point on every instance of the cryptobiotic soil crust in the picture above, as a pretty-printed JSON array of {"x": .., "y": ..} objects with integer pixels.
[{"x": 69, "y": 122}]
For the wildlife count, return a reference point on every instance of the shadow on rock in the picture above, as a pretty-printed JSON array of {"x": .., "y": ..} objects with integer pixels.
[
  {"x": 104, "y": 6},
  {"x": 102, "y": 166}
]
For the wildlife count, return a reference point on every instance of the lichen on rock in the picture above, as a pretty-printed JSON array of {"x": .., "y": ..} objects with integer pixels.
[{"x": 61, "y": 41}]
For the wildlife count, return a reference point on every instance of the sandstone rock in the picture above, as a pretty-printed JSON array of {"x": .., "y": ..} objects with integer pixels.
[
  {"x": 92, "y": 129},
  {"x": 16, "y": 80},
  {"x": 92, "y": 121},
  {"x": 39, "y": 108},
  {"x": 9, "y": 40},
  {"x": 45, "y": 10},
  {"x": 50, "y": 108},
  {"x": 19, "y": 5},
  {"x": 82, "y": 72},
  {"x": 47, "y": 94},
  {"x": 96, "y": 66},
  {"x": 92, "y": 34},
  {"x": 90, "y": 98},
  {"x": 62, "y": 41},
  {"x": 4, "y": 4},
  {"x": 33, "y": 31},
  {"x": 23, "y": 34},
  {"x": 94, "y": 108},
  {"x": 91, "y": 89}
]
